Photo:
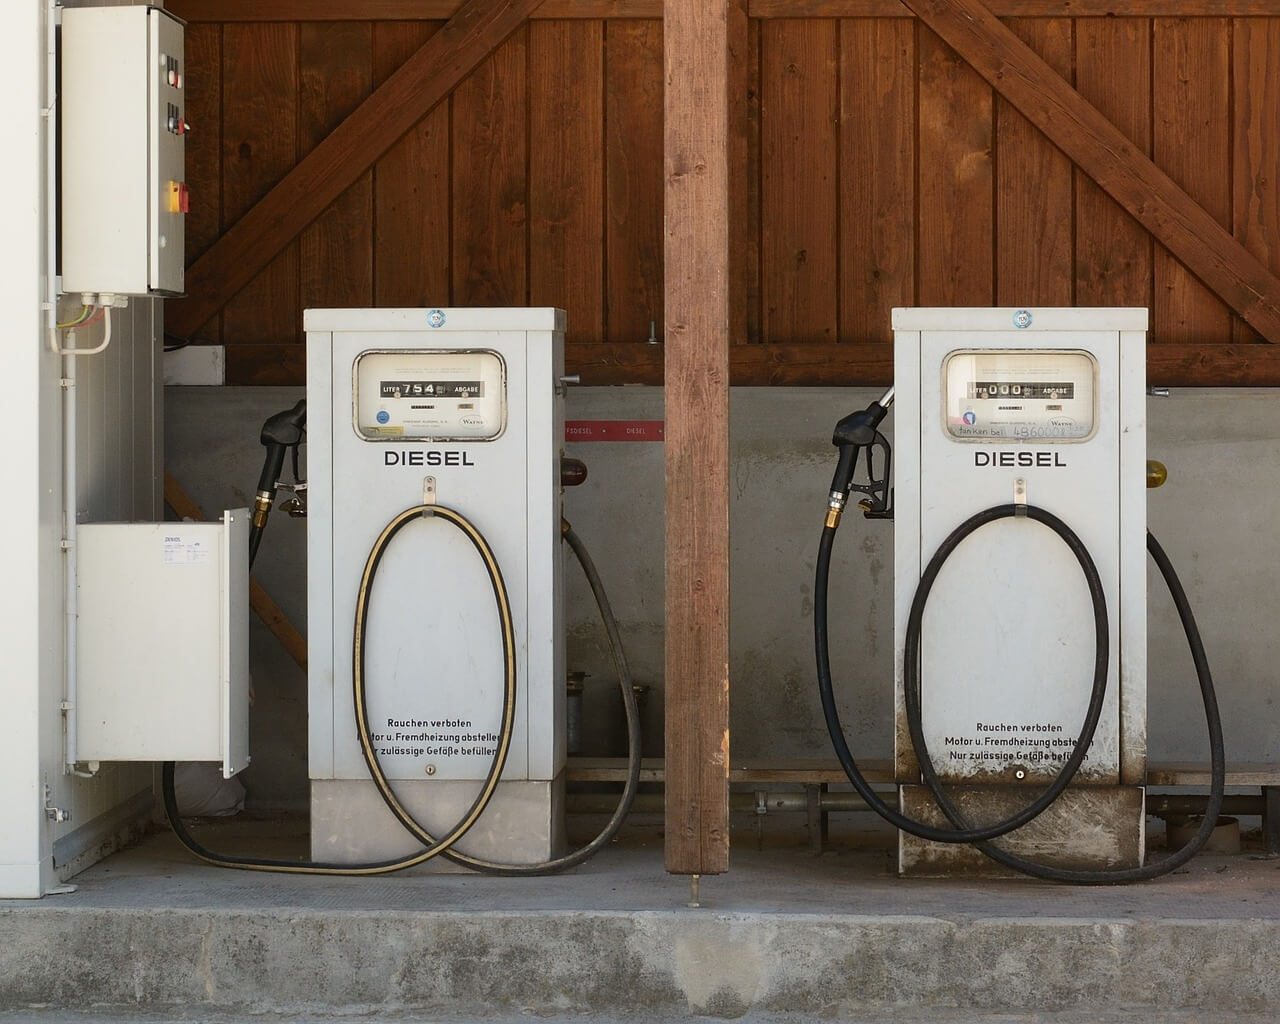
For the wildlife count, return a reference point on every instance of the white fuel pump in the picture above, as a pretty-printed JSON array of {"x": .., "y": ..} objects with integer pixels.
[
  {"x": 460, "y": 409},
  {"x": 436, "y": 676},
  {"x": 1044, "y": 408},
  {"x": 1020, "y": 591}
]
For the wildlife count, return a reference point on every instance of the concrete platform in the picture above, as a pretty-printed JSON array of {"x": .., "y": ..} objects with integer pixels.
[{"x": 152, "y": 934}]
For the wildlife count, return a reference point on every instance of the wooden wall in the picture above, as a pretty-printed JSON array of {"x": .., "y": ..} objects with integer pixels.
[{"x": 882, "y": 171}]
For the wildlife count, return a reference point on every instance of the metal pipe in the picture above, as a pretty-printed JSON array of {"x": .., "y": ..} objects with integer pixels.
[
  {"x": 783, "y": 802},
  {"x": 1163, "y": 805},
  {"x": 759, "y": 802}
]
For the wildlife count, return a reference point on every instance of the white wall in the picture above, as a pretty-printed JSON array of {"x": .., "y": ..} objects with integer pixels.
[
  {"x": 29, "y": 633},
  {"x": 119, "y": 412}
]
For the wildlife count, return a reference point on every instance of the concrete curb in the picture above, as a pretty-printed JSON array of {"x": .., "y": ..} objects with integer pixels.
[{"x": 649, "y": 964}]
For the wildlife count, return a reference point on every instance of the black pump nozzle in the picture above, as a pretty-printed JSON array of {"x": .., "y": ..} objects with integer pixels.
[
  {"x": 281, "y": 432},
  {"x": 853, "y": 434}
]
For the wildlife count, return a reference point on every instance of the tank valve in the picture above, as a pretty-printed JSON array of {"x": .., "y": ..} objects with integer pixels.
[{"x": 1156, "y": 473}]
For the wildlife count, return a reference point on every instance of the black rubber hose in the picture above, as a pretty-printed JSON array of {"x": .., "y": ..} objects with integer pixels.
[
  {"x": 255, "y": 539},
  {"x": 1217, "y": 763},
  {"x": 634, "y": 740},
  {"x": 961, "y": 833}
]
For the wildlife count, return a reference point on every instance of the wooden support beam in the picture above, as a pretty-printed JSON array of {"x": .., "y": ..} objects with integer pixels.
[
  {"x": 1098, "y": 148},
  {"x": 475, "y": 31},
  {"x": 702, "y": 42},
  {"x": 440, "y": 10}
]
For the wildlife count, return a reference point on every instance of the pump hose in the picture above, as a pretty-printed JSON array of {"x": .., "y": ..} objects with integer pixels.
[
  {"x": 434, "y": 847},
  {"x": 912, "y": 700},
  {"x": 911, "y": 686},
  {"x": 629, "y": 788},
  {"x": 498, "y": 761}
]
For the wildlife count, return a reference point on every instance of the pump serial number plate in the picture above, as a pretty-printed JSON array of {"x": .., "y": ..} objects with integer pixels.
[{"x": 1019, "y": 395}]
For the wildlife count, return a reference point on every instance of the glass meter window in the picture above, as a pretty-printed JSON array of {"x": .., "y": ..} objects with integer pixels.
[
  {"x": 436, "y": 395},
  {"x": 1039, "y": 395}
]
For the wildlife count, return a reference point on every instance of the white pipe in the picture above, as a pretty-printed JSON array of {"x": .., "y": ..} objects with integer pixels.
[
  {"x": 70, "y": 565},
  {"x": 68, "y": 386},
  {"x": 71, "y": 350},
  {"x": 70, "y": 550}
]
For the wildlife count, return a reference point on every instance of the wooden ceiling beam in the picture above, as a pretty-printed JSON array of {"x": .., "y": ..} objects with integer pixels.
[
  {"x": 1098, "y": 148},
  {"x": 441, "y": 10},
  {"x": 477, "y": 29}
]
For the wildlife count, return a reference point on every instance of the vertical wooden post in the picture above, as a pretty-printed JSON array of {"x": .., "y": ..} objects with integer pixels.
[{"x": 704, "y": 56}]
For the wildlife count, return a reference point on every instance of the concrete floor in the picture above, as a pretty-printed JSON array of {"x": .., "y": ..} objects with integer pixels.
[{"x": 151, "y": 934}]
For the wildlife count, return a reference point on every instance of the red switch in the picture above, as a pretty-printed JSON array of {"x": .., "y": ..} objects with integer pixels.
[{"x": 184, "y": 198}]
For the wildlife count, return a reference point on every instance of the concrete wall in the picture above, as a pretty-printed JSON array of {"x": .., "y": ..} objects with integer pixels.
[{"x": 1214, "y": 517}]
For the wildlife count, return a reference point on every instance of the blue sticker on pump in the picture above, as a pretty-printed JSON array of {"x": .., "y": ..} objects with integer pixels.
[
  {"x": 383, "y": 416},
  {"x": 1022, "y": 319}
]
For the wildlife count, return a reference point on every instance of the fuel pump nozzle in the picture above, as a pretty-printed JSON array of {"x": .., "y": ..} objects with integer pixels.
[
  {"x": 280, "y": 434},
  {"x": 855, "y": 433}
]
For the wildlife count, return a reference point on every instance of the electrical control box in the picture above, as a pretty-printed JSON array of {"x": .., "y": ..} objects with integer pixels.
[
  {"x": 462, "y": 408},
  {"x": 124, "y": 194},
  {"x": 1047, "y": 407}
]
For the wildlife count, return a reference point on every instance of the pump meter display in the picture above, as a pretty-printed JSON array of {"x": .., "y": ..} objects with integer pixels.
[
  {"x": 436, "y": 395},
  {"x": 1040, "y": 396}
]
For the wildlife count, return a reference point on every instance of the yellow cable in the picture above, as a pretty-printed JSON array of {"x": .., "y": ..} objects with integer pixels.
[{"x": 84, "y": 315}]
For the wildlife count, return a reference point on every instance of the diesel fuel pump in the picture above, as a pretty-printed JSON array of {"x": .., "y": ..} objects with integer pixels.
[{"x": 1019, "y": 507}]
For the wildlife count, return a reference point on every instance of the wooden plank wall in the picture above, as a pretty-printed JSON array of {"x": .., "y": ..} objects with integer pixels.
[{"x": 882, "y": 171}]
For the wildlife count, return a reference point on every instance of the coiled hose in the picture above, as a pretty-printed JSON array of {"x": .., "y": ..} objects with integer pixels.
[
  {"x": 442, "y": 846},
  {"x": 980, "y": 836},
  {"x": 611, "y": 827}
]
